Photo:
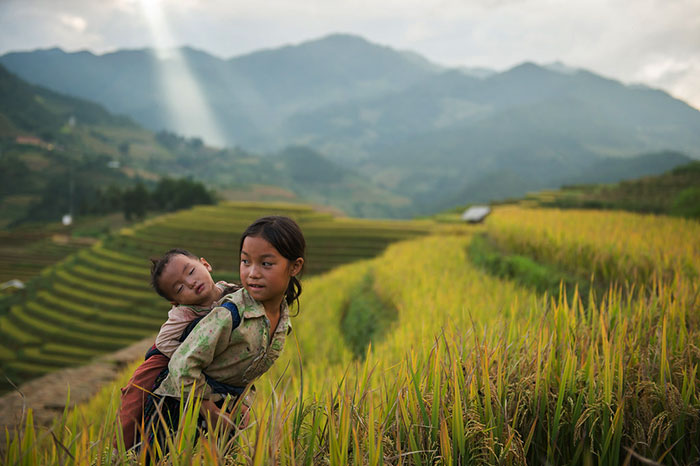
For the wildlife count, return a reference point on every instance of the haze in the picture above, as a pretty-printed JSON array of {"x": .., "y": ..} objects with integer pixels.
[{"x": 650, "y": 42}]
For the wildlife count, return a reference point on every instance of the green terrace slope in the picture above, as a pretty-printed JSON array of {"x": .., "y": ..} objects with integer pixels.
[
  {"x": 99, "y": 299},
  {"x": 25, "y": 252},
  {"x": 676, "y": 192}
]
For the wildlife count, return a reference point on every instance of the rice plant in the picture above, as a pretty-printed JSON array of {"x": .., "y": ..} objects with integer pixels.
[{"x": 473, "y": 370}]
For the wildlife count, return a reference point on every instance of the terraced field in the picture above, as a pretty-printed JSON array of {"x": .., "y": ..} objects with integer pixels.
[
  {"x": 23, "y": 254},
  {"x": 99, "y": 299}
]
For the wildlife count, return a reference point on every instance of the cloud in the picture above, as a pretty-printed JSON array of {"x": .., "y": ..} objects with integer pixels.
[
  {"x": 653, "y": 41},
  {"x": 73, "y": 22}
]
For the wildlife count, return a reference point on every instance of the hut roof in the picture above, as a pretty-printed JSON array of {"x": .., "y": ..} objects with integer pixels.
[{"x": 476, "y": 214}]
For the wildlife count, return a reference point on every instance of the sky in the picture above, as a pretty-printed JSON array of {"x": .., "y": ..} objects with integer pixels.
[{"x": 651, "y": 42}]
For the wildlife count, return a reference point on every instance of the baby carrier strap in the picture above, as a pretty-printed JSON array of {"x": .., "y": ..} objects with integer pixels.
[
  {"x": 152, "y": 352},
  {"x": 235, "y": 318}
]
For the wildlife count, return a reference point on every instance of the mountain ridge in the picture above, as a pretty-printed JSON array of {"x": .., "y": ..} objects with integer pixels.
[{"x": 425, "y": 132}]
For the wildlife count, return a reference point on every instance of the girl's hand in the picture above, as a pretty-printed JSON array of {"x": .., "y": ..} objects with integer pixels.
[{"x": 208, "y": 408}]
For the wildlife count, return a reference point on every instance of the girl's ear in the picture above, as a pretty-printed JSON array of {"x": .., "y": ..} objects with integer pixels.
[
  {"x": 205, "y": 263},
  {"x": 296, "y": 266}
]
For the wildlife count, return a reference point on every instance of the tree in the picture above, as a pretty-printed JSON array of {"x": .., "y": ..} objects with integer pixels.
[
  {"x": 135, "y": 202},
  {"x": 173, "y": 194}
]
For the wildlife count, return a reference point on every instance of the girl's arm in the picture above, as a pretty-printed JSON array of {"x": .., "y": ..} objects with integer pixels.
[{"x": 209, "y": 408}]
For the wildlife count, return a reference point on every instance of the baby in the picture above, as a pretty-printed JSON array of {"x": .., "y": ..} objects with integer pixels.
[{"x": 184, "y": 280}]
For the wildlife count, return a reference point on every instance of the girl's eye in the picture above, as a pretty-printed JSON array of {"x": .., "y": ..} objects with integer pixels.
[
  {"x": 179, "y": 290},
  {"x": 191, "y": 270},
  {"x": 244, "y": 261},
  {"x": 267, "y": 264}
]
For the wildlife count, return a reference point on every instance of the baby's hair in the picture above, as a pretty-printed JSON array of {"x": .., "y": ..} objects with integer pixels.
[
  {"x": 283, "y": 234},
  {"x": 158, "y": 265}
]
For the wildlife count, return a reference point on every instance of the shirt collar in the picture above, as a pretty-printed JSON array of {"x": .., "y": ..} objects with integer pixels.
[{"x": 253, "y": 309}]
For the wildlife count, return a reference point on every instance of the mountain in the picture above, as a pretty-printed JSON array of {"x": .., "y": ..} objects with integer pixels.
[
  {"x": 452, "y": 132},
  {"x": 404, "y": 125},
  {"x": 60, "y": 153},
  {"x": 36, "y": 109},
  {"x": 249, "y": 96},
  {"x": 49, "y": 160}
]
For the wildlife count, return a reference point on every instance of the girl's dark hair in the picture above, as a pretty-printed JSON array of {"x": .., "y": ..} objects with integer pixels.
[
  {"x": 283, "y": 234},
  {"x": 158, "y": 265}
]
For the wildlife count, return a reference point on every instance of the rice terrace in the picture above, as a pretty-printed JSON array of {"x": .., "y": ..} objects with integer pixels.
[{"x": 443, "y": 362}]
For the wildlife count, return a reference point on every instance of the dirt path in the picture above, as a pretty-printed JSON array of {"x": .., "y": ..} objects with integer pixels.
[{"x": 47, "y": 394}]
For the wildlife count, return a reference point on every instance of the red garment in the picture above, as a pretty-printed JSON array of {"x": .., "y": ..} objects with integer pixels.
[{"x": 133, "y": 398}]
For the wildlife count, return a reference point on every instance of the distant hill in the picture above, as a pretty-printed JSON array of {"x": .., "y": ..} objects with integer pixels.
[
  {"x": 59, "y": 152},
  {"x": 426, "y": 134},
  {"x": 37, "y": 109},
  {"x": 675, "y": 192},
  {"x": 48, "y": 155},
  {"x": 451, "y": 132}
]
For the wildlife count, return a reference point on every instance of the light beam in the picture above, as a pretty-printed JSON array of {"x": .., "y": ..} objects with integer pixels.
[{"x": 189, "y": 113}]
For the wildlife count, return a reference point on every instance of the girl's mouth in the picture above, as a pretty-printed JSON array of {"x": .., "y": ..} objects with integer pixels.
[{"x": 200, "y": 288}]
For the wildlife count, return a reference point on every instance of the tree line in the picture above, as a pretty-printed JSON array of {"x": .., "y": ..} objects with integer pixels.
[{"x": 83, "y": 197}]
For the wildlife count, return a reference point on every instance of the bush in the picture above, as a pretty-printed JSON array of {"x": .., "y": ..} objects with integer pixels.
[{"x": 687, "y": 203}]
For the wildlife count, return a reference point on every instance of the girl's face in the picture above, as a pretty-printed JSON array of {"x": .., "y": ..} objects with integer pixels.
[
  {"x": 265, "y": 273},
  {"x": 186, "y": 280}
]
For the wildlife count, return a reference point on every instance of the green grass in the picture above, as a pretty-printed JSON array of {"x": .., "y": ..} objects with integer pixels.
[
  {"x": 38, "y": 356},
  {"x": 54, "y": 318},
  {"x": 544, "y": 278},
  {"x": 16, "y": 335},
  {"x": 365, "y": 318},
  {"x": 26, "y": 370},
  {"x": 673, "y": 193},
  {"x": 6, "y": 353},
  {"x": 89, "y": 273},
  {"x": 140, "y": 317},
  {"x": 68, "y": 350},
  {"x": 99, "y": 264},
  {"x": 78, "y": 282},
  {"x": 33, "y": 324},
  {"x": 116, "y": 256},
  {"x": 86, "y": 297}
]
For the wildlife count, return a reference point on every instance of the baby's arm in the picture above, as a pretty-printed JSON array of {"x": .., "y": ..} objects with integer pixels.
[{"x": 168, "y": 338}]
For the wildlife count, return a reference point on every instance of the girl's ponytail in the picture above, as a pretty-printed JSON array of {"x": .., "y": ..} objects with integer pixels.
[
  {"x": 285, "y": 235},
  {"x": 293, "y": 291}
]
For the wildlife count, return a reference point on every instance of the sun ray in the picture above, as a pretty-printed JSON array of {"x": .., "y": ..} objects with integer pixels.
[{"x": 189, "y": 112}]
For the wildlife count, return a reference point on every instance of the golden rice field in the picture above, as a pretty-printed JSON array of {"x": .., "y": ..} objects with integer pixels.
[{"x": 474, "y": 370}]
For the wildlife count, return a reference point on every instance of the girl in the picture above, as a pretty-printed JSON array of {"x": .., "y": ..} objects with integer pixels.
[{"x": 240, "y": 339}]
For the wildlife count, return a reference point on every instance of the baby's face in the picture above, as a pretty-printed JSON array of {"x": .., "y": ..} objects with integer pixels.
[{"x": 187, "y": 280}]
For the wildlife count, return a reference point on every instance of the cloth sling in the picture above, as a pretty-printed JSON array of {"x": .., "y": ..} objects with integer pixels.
[{"x": 169, "y": 406}]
